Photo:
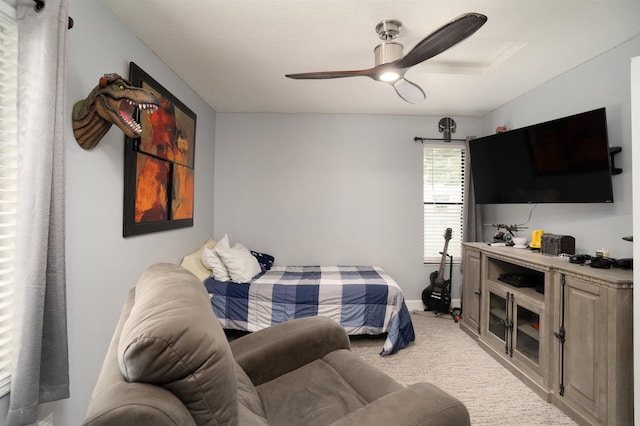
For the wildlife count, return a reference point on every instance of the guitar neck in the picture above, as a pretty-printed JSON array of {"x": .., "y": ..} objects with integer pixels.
[{"x": 443, "y": 260}]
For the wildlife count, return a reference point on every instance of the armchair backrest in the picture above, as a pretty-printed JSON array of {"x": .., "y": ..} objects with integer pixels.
[{"x": 172, "y": 340}]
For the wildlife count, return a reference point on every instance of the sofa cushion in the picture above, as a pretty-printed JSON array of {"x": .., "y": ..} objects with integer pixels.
[
  {"x": 173, "y": 339},
  {"x": 365, "y": 379},
  {"x": 314, "y": 394}
]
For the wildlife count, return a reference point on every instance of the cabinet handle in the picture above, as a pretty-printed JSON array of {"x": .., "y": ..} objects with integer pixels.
[
  {"x": 560, "y": 334},
  {"x": 512, "y": 315},
  {"x": 477, "y": 293},
  {"x": 505, "y": 322}
]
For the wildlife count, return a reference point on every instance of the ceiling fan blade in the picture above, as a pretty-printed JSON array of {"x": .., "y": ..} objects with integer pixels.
[
  {"x": 409, "y": 91},
  {"x": 443, "y": 38},
  {"x": 320, "y": 75}
]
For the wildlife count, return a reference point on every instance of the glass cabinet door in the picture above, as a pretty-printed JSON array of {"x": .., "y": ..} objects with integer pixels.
[
  {"x": 528, "y": 333},
  {"x": 498, "y": 325}
]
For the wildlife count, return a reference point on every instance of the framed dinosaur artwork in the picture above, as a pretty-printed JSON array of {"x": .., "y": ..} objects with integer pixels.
[{"x": 159, "y": 164}]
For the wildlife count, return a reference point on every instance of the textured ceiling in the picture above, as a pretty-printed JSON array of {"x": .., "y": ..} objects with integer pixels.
[{"x": 235, "y": 54}]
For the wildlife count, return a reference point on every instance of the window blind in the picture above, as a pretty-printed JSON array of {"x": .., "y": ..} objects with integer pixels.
[
  {"x": 8, "y": 184},
  {"x": 443, "y": 199}
]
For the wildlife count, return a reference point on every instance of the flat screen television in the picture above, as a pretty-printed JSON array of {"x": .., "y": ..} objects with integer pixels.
[{"x": 560, "y": 161}]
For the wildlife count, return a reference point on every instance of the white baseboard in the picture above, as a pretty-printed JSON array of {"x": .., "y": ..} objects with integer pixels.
[{"x": 417, "y": 305}]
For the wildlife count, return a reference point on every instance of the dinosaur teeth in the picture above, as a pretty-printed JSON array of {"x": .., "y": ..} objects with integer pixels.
[
  {"x": 132, "y": 124},
  {"x": 146, "y": 107},
  {"x": 126, "y": 114},
  {"x": 149, "y": 107}
]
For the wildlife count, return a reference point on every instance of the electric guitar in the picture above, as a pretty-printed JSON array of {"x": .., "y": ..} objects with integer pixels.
[{"x": 437, "y": 297}]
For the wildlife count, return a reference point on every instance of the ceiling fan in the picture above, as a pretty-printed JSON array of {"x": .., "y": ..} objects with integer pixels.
[{"x": 390, "y": 65}]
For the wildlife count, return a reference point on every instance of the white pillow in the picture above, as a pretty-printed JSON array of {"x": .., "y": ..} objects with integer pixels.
[
  {"x": 193, "y": 262},
  {"x": 212, "y": 260},
  {"x": 240, "y": 263}
]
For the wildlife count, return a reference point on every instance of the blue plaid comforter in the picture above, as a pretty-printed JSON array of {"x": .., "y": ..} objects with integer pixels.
[{"x": 363, "y": 299}]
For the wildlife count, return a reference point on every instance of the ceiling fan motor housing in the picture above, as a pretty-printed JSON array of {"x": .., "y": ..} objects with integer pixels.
[{"x": 387, "y": 52}]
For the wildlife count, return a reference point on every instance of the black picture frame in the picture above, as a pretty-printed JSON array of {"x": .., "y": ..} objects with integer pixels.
[{"x": 159, "y": 166}]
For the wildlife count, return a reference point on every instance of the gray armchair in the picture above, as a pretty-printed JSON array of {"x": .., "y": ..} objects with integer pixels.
[{"x": 169, "y": 363}]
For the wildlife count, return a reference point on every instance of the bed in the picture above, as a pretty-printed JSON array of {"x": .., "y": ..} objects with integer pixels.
[{"x": 363, "y": 299}]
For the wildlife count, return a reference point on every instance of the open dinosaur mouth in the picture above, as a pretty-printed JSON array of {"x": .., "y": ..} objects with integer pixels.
[{"x": 125, "y": 112}]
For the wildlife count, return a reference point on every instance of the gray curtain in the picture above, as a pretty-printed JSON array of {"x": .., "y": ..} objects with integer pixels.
[
  {"x": 40, "y": 364},
  {"x": 471, "y": 213}
]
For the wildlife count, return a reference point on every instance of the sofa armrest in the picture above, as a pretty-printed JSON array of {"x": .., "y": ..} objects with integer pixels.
[
  {"x": 139, "y": 404},
  {"x": 422, "y": 404},
  {"x": 276, "y": 350}
]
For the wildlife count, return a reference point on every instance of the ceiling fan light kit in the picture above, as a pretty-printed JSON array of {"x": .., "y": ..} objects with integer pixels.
[
  {"x": 391, "y": 65},
  {"x": 387, "y": 52},
  {"x": 389, "y": 76}
]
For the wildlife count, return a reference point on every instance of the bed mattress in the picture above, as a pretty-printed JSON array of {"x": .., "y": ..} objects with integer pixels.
[{"x": 363, "y": 299}]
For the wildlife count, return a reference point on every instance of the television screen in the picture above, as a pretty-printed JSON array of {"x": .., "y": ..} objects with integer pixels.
[{"x": 559, "y": 161}]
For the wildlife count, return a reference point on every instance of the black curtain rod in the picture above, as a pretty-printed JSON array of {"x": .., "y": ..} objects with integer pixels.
[
  {"x": 419, "y": 139},
  {"x": 39, "y": 5}
]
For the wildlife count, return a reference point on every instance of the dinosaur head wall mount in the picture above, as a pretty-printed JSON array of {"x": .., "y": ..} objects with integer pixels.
[{"x": 112, "y": 101}]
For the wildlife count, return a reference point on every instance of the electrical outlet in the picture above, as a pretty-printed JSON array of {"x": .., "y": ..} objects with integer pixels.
[{"x": 47, "y": 421}]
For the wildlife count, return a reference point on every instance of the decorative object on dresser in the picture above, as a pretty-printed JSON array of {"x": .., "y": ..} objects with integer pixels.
[
  {"x": 536, "y": 239},
  {"x": 571, "y": 343},
  {"x": 555, "y": 245},
  {"x": 507, "y": 236}
]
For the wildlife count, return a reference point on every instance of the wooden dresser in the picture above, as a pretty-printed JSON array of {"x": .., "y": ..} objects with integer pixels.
[{"x": 564, "y": 329}]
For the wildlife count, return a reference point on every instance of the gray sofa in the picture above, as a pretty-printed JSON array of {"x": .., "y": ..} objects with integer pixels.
[{"x": 170, "y": 363}]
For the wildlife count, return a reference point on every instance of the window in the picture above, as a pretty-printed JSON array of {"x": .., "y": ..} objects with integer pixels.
[
  {"x": 8, "y": 183},
  {"x": 443, "y": 199}
]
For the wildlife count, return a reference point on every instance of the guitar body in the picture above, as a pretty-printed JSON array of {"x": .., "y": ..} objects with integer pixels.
[{"x": 437, "y": 296}]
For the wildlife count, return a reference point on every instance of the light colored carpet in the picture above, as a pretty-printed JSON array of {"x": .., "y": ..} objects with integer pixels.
[{"x": 449, "y": 358}]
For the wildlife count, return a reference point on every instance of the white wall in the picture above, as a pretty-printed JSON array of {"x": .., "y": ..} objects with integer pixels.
[
  {"x": 328, "y": 189},
  {"x": 102, "y": 265},
  {"x": 602, "y": 82}
]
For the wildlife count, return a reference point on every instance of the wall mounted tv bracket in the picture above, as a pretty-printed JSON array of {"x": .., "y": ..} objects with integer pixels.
[{"x": 613, "y": 151}]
